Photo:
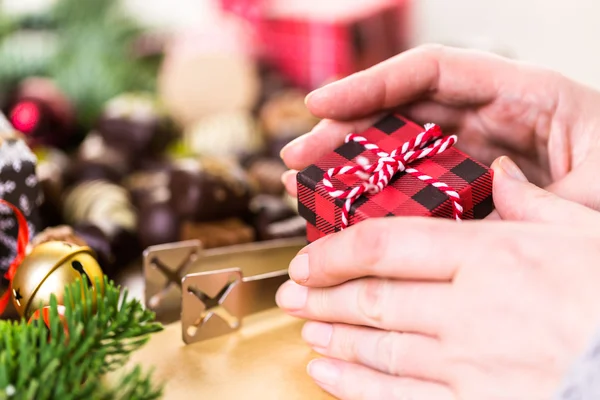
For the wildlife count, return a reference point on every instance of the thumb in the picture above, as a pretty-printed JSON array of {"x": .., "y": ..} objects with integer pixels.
[{"x": 518, "y": 200}]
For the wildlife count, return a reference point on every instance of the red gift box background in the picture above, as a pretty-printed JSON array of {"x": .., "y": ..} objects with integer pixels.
[
  {"x": 313, "y": 42},
  {"x": 405, "y": 195}
]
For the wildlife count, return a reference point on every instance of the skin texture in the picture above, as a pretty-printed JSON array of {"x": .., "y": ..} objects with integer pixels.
[
  {"x": 546, "y": 123},
  {"x": 434, "y": 309}
]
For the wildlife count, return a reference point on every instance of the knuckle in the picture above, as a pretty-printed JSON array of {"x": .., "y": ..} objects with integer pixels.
[
  {"x": 370, "y": 238},
  {"x": 384, "y": 352},
  {"x": 319, "y": 303},
  {"x": 391, "y": 351},
  {"x": 538, "y": 204},
  {"x": 345, "y": 343},
  {"x": 431, "y": 49},
  {"x": 540, "y": 196},
  {"x": 371, "y": 301},
  {"x": 398, "y": 352}
]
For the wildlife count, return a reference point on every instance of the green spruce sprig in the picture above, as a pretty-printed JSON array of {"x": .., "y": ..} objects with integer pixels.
[{"x": 38, "y": 363}]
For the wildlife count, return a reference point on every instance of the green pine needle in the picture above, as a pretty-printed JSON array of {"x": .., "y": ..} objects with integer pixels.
[{"x": 38, "y": 363}]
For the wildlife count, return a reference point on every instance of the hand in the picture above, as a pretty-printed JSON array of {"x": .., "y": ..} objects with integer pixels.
[
  {"x": 424, "y": 308},
  {"x": 548, "y": 124}
]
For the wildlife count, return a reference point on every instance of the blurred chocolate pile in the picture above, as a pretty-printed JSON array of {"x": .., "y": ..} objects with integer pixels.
[{"x": 140, "y": 178}]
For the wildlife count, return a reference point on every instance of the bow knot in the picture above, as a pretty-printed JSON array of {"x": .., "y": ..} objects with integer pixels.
[{"x": 375, "y": 177}]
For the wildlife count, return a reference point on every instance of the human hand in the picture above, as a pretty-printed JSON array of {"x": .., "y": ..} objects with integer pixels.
[
  {"x": 427, "y": 308},
  {"x": 548, "y": 124}
]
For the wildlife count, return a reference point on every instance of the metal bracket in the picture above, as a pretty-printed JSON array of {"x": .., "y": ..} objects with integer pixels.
[
  {"x": 172, "y": 270},
  {"x": 215, "y": 303}
]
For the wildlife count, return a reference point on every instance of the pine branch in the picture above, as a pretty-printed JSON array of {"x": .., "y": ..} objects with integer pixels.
[
  {"x": 95, "y": 61},
  {"x": 40, "y": 363}
]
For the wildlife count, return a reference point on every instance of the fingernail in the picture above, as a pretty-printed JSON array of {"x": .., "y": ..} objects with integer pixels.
[
  {"x": 323, "y": 371},
  {"x": 286, "y": 175},
  {"x": 512, "y": 169},
  {"x": 316, "y": 92},
  {"x": 291, "y": 296},
  {"x": 308, "y": 96},
  {"x": 317, "y": 334},
  {"x": 291, "y": 144},
  {"x": 299, "y": 270}
]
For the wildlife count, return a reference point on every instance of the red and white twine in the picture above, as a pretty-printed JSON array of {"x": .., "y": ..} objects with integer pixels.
[{"x": 376, "y": 177}]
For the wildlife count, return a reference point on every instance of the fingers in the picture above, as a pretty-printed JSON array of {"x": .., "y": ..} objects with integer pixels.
[
  {"x": 393, "y": 353},
  {"x": 348, "y": 381},
  {"x": 449, "y": 118},
  {"x": 323, "y": 139},
  {"x": 450, "y": 76},
  {"x": 417, "y": 305},
  {"x": 395, "y": 247},
  {"x": 289, "y": 182},
  {"x": 517, "y": 199},
  {"x": 581, "y": 185},
  {"x": 329, "y": 134}
]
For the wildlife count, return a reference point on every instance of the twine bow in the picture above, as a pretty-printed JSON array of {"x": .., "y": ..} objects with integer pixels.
[
  {"x": 22, "y": 241},
  {"x": 375, "y": 177}
]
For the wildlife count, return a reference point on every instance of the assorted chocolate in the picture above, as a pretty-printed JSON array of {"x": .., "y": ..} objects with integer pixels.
[
  {"x": 135, "y": 125},
  {"x": 62, "y": 233},
  {"x": 205, "y": 189},
  {"x": 218, "y": 233},
  {"x": 224, "y": 135},
  {"x": 138, "y": 180}
]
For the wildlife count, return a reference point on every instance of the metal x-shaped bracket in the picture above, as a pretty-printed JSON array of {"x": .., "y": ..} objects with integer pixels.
[
  {"x": 258, "y": 268},
  {"x": 210, "y": 304},
  {"x": 165, "y": 266},
  {"x": 215, "y": 303}
]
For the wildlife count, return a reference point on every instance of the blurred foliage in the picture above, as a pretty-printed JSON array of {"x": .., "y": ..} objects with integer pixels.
[{"x": 85, "y": 46}]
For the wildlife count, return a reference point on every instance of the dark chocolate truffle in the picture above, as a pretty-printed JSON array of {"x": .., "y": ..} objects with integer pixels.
[
  {"x": 157, "y": 224},
  {"x": 208, "y": 190},
  {"x": 137, "y": 125}
]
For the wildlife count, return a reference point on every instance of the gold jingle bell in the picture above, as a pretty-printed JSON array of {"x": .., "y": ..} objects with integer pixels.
[{"x": 47, "y": 270}]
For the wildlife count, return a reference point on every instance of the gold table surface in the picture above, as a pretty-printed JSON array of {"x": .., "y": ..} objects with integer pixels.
[{"x": 266, "y": 359}]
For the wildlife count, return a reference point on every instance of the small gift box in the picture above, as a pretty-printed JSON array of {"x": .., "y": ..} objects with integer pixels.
[{"x": 394, "y": 168}]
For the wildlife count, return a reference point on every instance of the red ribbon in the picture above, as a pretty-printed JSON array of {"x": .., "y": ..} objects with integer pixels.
[
  {"x": 374, "y": 178},
  {"x": 22, "y": 241}
]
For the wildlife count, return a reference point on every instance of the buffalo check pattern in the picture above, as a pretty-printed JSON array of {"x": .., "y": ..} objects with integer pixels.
[{"x": 405, "y": 195}]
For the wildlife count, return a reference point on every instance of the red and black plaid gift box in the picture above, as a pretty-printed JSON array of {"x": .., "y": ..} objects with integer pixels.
[
  {"x": 406, "y": 194},
  {"x": 312, "y": 42}
]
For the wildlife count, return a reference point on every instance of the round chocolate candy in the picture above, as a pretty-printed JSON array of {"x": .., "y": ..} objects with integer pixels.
[
  {"x": 208, "y": 189},
  {"x": 287, "y": 228},
  {"x": 266, "y": 172},
  {"x": 285, "y": 115},
  {"x": 50, "y": 170},
  {"x": 269, "y": 210},
  {"x": 223, "y": 135},
  {"x": 272, "y": 83},
  {"x": 125, "y": 246},
  {"x": 101, "y": 203},
  {"x": 135, "y": 124},
  {"x": 97, "y": 241},
  {"x": 148, "y": 187},
  {"x": 95, "y": 160},
  {"x": 62, "y": 233},
  {"x": 157, "y": 224}
]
